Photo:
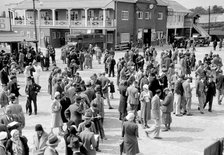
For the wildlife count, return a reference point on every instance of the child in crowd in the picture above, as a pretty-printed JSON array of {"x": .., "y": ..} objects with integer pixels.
[{"x": 112, "y": 89}]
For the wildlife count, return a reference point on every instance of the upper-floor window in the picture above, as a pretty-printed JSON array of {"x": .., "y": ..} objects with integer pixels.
[
  {"x": 179, "y": 19},
  {"x": 160, "y": 16},
  {"x": 140, "y": 14},
  {"x": 124, "y": 15},
  {"x": 148, "y": 15}
]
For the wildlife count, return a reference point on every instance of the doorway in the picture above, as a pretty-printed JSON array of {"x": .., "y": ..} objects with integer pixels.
[{"x": 147, "y": 37}]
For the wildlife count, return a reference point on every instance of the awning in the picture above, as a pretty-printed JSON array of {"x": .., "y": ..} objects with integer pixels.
[{"x": 12, "y": 37}]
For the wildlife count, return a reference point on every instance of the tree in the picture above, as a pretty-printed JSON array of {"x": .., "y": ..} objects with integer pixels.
[
  {"x": 199, "y": 10},
  {"x": 217, "y": 9}
]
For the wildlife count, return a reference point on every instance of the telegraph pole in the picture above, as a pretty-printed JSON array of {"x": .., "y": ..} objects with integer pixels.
[
  {"x": 35, "y": 25},
  {"x": 209, "y": 19}
]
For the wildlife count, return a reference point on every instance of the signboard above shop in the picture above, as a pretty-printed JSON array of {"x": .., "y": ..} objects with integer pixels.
[{"x": 4, "y": 24}]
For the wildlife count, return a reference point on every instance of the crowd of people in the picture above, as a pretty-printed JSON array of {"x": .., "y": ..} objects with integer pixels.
[{"x": 149, "y": 90}]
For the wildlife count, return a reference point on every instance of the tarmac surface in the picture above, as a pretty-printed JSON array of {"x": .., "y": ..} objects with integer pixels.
[{"x": 189, "y": 135}]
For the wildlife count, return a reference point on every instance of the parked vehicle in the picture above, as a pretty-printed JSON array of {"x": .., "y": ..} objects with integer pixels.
[{"x": 180, "y": 41}]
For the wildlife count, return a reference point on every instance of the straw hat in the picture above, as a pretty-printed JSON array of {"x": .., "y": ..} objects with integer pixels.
[
  {"x": 130, "y": 116},
  {"x": 53, "y": 140},
  {"x": 3, "y": 135}
]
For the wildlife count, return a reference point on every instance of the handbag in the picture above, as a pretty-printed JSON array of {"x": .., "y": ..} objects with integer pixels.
[
  {"x": 121, "y": 147},
  {"x": 163, "y": 108}
]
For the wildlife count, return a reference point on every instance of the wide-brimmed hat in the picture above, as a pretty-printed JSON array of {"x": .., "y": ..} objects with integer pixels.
[
  {"x": 56, "y": 94},
  {"x": 130, "y": 116},
  {"x": 74, "y": 143},
  {"x": 87, "y": 115},
  {"x": 3, "y": 135},
  {"x": 166, "y": 89},
  {"x": 53, "y": 140},
  {"x": 12, "y": 97}
]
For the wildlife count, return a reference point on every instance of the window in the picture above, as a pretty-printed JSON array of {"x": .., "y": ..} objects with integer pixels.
[
  {"x": 140, "y": 14},
  {"x": 160, "y": 16},
  {"x": 148, "y": 15},
  {"x": 22, "y": 33},
  {"x": 28, "y": 34},
  {"x": 124, "y": 15},
  {"x": 54, "y": 35},
  {"x": 34, "y": 35},
  {"x": 179, "y": 19}
]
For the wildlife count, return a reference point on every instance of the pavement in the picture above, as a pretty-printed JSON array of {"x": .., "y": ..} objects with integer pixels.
[{"x": 189, "y": 135}]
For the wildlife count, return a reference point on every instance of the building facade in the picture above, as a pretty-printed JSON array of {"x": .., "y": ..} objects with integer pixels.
[
  {"x": 119, "y": 20},
  {"x": 176, "y": 19},
  {"x": 142, "y": 21}
]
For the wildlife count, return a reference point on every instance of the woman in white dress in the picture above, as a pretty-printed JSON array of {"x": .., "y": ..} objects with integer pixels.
[
  {"x": 56, "y": 114},
  {"x": 145, "y": 98}
]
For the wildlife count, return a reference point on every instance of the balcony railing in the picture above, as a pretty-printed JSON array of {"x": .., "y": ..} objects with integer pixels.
[
  {"x": 61, "y": 23},
  {"x": 110, "y": 23},
  {"x": 95, "y": 23},
  {"x": 65, "y": 23},
  {"x": 19, "y": 22},
  {"x": 31, "y": 22},
  {"x": 46, "y": 22},
  {"x": 77, "y": 23}
]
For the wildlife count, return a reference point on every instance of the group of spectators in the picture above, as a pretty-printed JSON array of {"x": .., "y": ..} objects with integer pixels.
[{"x": 147, "y": 88}]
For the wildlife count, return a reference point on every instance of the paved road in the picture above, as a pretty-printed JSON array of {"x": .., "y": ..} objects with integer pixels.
[{"x": 189, "y": 135}]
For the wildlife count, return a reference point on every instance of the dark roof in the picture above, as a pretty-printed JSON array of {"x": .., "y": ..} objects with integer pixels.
[{"x": 10, "y": 36}]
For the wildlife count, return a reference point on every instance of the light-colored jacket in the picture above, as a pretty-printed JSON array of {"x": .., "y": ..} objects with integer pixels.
[
  {"x": 40, "y": 145},
  {"x": 155, "y": 110}
]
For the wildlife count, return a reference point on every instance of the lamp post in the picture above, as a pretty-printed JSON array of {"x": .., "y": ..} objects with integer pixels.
[{"x": 35, "y": 25}]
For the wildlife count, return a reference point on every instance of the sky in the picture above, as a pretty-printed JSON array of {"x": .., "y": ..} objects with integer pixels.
[
  {"x": 204, "y": 3},
  {"x": 187, "y": 3}
]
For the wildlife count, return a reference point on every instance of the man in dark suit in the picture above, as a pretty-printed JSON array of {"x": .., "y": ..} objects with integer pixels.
[
  {"x": 90, "y": 92},
  {"x": 88, "y": 140},
  {"x": 4, "y": 75},
  {"x": 74, "y": 112},
  {"x": 211, "y": 92},
  {"x": 31, "y": 90},
  {"x": 13, "y": 87},
  {"x": 58, "y": 86},
  {"x": 154, "y": 84}
]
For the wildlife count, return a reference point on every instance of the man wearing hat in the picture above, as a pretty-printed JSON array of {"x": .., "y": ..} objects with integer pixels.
[
  {"x": 32, "y": 89},
  {"x": 74, "y": 112},
  {"x": 211, "y": 92},
  {"x": 13, "y": 87},
  {"x": 39, "y": 140},
  {"x": 200, "y": 93},
  {"x": 90, "y": 91},
  {"x": 52, "y": 143},
  {"x": 4, "y": 75},
  {"x": 88, "y": 140},
  {"x": 167, "y": 108},
  {"x": 178, "y": 93},
  {"x": 188, "y": 94},
  {"x": 4, "y": 100},
  {"x": 105, "y": 82}
]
